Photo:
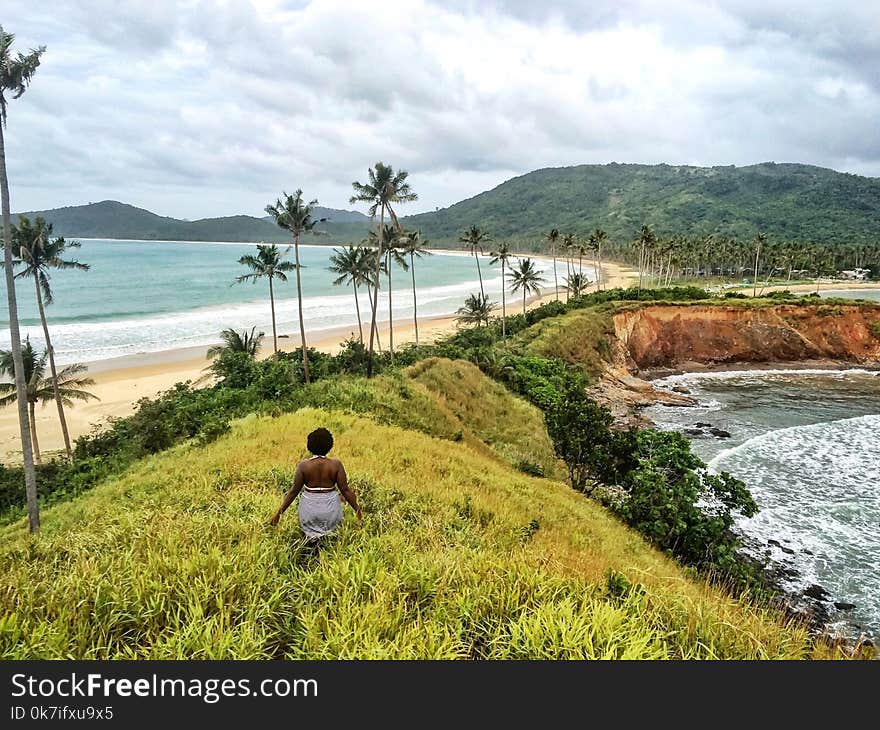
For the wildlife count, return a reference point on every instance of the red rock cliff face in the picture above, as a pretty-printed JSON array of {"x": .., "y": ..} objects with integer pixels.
[{"x": 668, "y": 335}]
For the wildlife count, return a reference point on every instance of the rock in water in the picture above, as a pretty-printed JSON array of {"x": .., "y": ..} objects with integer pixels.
[
  {"x": 844, "y": 606},
  {"x": 816, "y": 592}
]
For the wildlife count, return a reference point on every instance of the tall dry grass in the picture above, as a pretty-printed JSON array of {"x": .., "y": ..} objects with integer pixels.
[{"x": 459, "y": 556}]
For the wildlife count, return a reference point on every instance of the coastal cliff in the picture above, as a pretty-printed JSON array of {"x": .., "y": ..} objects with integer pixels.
[
  {"x": 688, "y": 337},
  {"x": 665, "y": 336}
]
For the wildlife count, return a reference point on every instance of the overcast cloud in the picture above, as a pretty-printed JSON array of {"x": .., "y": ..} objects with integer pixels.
[{"x": 203, "y": 108}]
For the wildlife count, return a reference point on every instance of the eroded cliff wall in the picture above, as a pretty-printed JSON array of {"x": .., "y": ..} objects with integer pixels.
[{"x": 673, "y": 335}]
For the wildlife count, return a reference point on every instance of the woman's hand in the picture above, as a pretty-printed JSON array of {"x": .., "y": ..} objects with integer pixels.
[{"x": 275, "y": 518}]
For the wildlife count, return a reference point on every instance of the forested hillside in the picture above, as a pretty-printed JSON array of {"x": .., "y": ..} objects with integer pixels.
[{"x": 785, "y": 201}]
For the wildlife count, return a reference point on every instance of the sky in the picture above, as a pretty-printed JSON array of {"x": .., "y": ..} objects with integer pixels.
[{"x": 201, "y": 108}]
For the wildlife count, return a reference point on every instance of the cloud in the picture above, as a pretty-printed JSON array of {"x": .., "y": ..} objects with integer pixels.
[{"x": 209, "y": 108}]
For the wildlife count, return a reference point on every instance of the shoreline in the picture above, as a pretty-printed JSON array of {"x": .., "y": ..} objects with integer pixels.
[
  {"x": 120, "y": 382},
  {"x": 812, "y": 604},
  {"x": 697, "y": 368}
]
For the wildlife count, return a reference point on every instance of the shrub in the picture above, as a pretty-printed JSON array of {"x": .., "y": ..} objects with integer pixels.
[
  {"x": 529, "y": 467},
  {"x": 321, "y": 364},
  {"x": 580, "y": 430},
  {"x": 233, "y": 369},
  {"x": 679, "y": 505}
]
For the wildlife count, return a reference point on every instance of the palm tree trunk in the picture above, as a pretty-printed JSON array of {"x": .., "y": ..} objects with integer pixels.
[
  {"x": 299, "y": 304},
  {"x": 524, "y": 301},
  {"x": 755, "y": 282},
  {"x": 412, "y": 268},
  {"x": 51, "y": 352},
  {"x": 555, "y": 277},
  {"x": 599, "y": 268},
  {"x": 567, "y": 272},
  {"x": 503, "y": 303},
  {"x": 357, "y": 307},
  {"x": 30, "y": 474},
  {"x": 373, "y": 332},
  {"x": 373, "y": 310},
  {"x": 390, "y": 313},
  {"x": 33, "y": 420},
  {"x": 272, "y": 305},
  {"x": 479, "y": 274}
]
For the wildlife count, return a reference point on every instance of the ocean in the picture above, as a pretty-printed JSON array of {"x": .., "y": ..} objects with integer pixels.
[
  {"x": 150, "y": 296},
  {"x": 806, "y": 444},
  {"x": 872, "y": 295}
]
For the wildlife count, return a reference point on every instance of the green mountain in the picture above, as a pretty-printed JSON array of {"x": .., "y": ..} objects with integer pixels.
[
  {"x": 787, "y": 201},
  {"x": 783, "y": 200},
  {"x": 111, "y": 219}
]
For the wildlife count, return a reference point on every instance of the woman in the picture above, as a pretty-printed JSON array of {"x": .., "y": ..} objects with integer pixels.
[{"x": 320, "y": 507}]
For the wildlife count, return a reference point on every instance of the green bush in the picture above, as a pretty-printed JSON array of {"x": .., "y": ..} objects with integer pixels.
[
  {"x": 681, "y": 507},
  {"x": 529, "y": 467}
]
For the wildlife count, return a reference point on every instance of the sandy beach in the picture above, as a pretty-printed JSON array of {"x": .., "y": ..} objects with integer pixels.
[
  {"x": 824, "y": 285},
  {"x": 121, "y": 382}
]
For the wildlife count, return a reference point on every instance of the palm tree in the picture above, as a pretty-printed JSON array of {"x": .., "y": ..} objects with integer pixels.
[
  {"x": 233, "y": 341},
  {"x": 40, "y": 389},
  {"x": 553, "y": 238},
  {"x": 414, "y": 246},
  {"x": 569, "y": 242},
  {"x": 370, "y": 255},
  {"x": 476, "y": 310},
  {"x": 597, "y": 237},
  {"x": 351, "y": 264},
  {"x": 526, "y": 277},
  {"x": 292, "y": 214},
  {"x": 576, "y": 284},
  {"x": 393, "y": 255},
  {"x": 384, "y": 188},
  {"x": 34, "y": 247},
  {"x": 502, "y": 254},
  {"x": 16, "y": 72},
  {"x": 760, "y": 239},
  {"x": 645, "y": 241},
  {"x": 267, "y": 263},
  {"x": 474, "y": 239}
]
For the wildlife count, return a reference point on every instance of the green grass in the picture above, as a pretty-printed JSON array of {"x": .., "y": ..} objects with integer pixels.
[
  {"x": 459, "y": 556},
  {"x": 578, "y": 337},
  {"x": 448, "y": 399}
]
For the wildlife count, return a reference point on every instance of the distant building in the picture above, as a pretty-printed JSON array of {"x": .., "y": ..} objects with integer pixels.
[{"x": 856, "y": 274}]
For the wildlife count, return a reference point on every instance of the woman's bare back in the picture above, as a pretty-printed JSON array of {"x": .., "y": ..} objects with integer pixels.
[{"x": 321, "y": 473}]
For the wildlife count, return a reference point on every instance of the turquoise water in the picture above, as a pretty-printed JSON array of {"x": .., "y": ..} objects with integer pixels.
[
  {"x": 150, "y": 296},
  {"x": 869, "y": 294}
]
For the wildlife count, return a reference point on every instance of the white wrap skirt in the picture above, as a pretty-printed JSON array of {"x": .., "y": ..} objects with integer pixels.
[{"x": 319, "y": 512}]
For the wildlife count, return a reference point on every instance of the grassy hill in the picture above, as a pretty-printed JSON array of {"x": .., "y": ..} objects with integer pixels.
[
  {"x": 111, "y": 219},
  {"x": 790, "y": 201},
  {"x": 460, "y": 555}
]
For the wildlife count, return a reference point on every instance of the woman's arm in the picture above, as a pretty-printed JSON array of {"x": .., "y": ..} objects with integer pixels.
[
  {"x": 346, "y": 491},
  {"x": 298, "y": 481}
]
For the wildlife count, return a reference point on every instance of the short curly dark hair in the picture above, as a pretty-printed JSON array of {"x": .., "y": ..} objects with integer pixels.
[{"x": 320, "y": 441}]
